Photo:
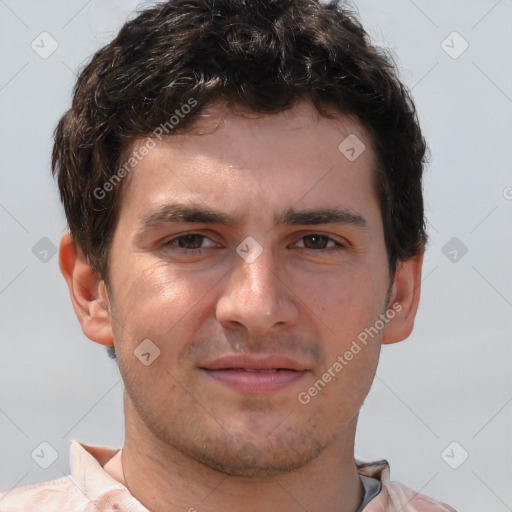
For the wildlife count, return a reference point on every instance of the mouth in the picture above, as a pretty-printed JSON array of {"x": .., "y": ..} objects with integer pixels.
[{"x": 255, "y": 375}]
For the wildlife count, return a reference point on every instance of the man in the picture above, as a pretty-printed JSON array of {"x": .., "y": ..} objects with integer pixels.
[{"x": 242, "y": 184}]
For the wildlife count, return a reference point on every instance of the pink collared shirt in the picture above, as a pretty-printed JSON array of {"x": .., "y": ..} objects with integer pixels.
[{"x": 90, "y": 488}]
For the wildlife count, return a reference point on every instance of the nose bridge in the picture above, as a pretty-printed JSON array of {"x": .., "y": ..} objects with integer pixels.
[
  {"x": 255, "y": 281},
  {"x": 254, "y": 297}
]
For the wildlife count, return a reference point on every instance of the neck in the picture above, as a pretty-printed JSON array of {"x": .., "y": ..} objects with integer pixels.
[{"x": 164, "y": 479}]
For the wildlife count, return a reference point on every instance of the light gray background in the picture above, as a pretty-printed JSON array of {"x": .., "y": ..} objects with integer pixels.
[{"x": 451, "y": 381}]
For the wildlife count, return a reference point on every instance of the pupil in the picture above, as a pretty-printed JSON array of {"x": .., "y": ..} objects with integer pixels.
[
  {"x": 315, "y": 239},
  {"x": 189, "y": 240}
]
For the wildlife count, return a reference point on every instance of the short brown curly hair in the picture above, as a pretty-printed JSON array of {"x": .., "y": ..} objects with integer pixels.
[{"x": 264, "y": 55}]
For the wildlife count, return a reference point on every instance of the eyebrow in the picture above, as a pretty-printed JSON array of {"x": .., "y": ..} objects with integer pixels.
[{"x": 185, "y": 213}]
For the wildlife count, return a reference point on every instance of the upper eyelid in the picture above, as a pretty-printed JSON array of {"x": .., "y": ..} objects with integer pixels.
[
  {"x": 302, "y": 235},
  {"x": 330, "y": 238},
  {"x": 177, "y": 237}
]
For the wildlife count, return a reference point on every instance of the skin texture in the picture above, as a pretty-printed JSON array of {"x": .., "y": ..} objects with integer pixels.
[{"x": 190, "y": 440}]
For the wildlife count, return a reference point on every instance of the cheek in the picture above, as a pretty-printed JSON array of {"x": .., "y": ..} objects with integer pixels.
[
  {"x": 153, "y": 302},
  {"x": 343, "y": 307},
  {"x": 341, "y": 302}
]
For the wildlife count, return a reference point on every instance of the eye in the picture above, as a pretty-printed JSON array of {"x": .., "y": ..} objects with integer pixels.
[
  {"x": 317, "y": 241},
  {"x": 189, "y": 242}
]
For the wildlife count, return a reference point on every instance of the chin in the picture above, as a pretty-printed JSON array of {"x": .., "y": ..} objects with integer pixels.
[{"x": 264, "y": 457}]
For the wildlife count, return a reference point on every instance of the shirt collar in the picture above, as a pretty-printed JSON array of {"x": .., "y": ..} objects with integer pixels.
[{"x": 86, "y": 462}]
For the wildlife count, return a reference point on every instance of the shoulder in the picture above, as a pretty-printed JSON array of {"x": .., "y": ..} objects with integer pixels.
[
  {"x": 395, "y": 496},
  {"x": 50, "y": 496},
  {"x": 407, "y": 500}
]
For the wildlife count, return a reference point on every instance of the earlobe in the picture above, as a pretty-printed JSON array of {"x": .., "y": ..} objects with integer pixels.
[
  {"x": 87, "y": 291},
  {"x": 404, "y": 300}
]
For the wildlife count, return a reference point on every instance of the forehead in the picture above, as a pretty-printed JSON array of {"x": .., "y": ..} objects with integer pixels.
[{"x": 295, "y": 155}]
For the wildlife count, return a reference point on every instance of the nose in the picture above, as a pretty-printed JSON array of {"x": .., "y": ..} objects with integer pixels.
[{"x": 256, "y": 297}]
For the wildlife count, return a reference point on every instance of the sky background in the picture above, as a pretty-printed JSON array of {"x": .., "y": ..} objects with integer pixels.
[{"x": 440, "y": 408}]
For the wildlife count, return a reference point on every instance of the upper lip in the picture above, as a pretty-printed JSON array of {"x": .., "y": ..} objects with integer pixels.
[{"x": 254, "y": 363}]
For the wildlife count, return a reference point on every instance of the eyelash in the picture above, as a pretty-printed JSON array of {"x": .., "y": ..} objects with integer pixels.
[{"x": 169, "y": 244}]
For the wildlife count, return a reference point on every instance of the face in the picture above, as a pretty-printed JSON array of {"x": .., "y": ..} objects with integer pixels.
[{"x": 252, "y": 257}]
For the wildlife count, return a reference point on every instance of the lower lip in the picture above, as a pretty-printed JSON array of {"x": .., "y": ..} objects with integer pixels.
[{"x": 256, "y": 382}]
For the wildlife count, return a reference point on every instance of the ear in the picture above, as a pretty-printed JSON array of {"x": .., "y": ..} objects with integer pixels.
[
  {"x": 404, "y": 299},
  {"x": 87, "y": 290}
]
